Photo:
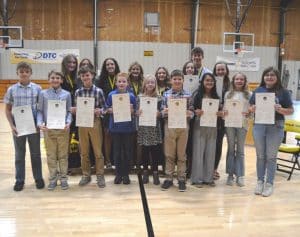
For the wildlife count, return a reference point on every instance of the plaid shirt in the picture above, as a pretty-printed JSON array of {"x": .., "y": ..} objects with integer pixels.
[
  {"x": 51, "y": 94},
  {"x": 93, "y": 92},
  {"x": 18, "y": 95},
  {"x": 175, "y": 95}
]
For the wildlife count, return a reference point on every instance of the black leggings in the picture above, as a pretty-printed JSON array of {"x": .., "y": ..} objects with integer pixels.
[{"x": 151, "y": 153}]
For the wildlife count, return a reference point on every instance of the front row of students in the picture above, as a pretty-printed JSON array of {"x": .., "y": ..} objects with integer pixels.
[{"x": 267, "y": 137}]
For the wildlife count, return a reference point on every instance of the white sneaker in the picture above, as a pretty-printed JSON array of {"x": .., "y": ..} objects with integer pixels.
[
  {"x": 229, "y": 180},
  {"x": 259, "y": 187},
  {"x": 268, "y": 190},
  {"x": 240, "y": 181}
]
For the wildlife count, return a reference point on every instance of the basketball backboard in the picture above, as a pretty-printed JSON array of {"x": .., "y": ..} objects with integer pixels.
[
  {"x": 11, "y": 36},
  {"x": 235, "y": 42}
]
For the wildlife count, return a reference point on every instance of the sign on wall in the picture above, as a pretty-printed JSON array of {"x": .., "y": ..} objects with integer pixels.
[
  {"x": 35, "y": 56},
  {"x": 241, "y": 64}
]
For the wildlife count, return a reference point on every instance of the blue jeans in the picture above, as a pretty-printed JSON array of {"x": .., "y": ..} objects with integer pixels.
[
  {"x": 235, "y": 160},
  {"x": 267, "y": 139},
  {"x": 35, "y": 155}
]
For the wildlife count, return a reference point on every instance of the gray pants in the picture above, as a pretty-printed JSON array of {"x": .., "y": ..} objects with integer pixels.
[{"x": 204, "y": 149}]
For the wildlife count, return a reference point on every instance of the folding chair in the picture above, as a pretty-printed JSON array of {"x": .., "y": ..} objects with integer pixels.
[{"x": 288, "y": 165}]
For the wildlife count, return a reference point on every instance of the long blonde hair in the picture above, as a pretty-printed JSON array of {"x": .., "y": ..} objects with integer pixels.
[
  {"x": 146, "y": 79},
  {"x": 245, "y": 89}
]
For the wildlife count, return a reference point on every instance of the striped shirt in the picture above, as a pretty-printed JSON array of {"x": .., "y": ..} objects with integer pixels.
[
  {"x": 52, "y": 94},
  {"x": 93, "y": 92},
  {"x": 19, "y": 95}
]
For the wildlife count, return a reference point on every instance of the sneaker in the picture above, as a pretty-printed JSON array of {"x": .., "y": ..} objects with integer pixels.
[
  {"x": 268, "y": 190},
  {"x": 240, "y": 181},
  {"x": 145, "y": 177},
  {"x": 108, "y": 166},
  {"x": 52, "y": 185},
  {"x": 259, "y": 187},
  {"x": 126, "y": 180},
  {"x": 64, "y": 184},
  {"x": 118, "y": 179},
  {"x": 166, "y": 184},
  {"x": 100, "y": 181},
  {"x": 39, "y": 183},
  {"x": 19, "y": 185},
  {"x": 84, "y": 180},
  {"x": 229, "y": 180},
  {"x": 181, "y": 186},
  {"x": 197, "y": 185},
  {"x": 156, "y": 178}
]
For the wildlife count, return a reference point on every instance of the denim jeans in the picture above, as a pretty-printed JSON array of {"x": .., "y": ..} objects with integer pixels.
[
  {"x": 267, "y": 139},
  {"x": 122, "y": 152},
  {"x": 235, "y": 160},
  {"x": 35, "y": 155}
]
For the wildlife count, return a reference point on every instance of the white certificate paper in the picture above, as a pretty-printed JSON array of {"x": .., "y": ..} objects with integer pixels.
[
  {"x": 190, "y": 83},
  {"x": 265, "y": 110},
  {"x": 121, "y": 108},
  {"x": 148, "y": 105},
  {"x": 24, "y": 120},
  {"x": 85, "y": 112},
  {"x": 210, "y": 108},
  {"x": 177, "y": 113},
  {"x": 56, "y": 115},
  {"x": 219, "y": 86},
  {"x": 234, "y": 118}
]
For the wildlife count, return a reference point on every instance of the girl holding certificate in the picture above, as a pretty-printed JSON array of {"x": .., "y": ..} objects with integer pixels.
[
  {"x": 162, "y": 80},
  {"x": 204, "y": 138},
  {"x": 149, "y": 137},
  {"x": 267, "y": 137},
  {"x": 107, "y": 82},
  {"x": 221, "y": 73},
  {"x": 236, "y": 136}
]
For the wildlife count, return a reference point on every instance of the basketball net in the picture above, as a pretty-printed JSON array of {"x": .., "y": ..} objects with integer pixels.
[{"x": 239, "y": 56}]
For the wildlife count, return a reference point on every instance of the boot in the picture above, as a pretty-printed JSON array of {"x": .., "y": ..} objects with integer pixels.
[
  {"x": 145, "y": 177},
  {"x": 156, "y": 178}
]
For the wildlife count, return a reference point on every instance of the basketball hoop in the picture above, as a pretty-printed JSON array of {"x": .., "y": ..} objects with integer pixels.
[
  {"x": 3, "y": 46},
  {"x": 240, "y": 52}
]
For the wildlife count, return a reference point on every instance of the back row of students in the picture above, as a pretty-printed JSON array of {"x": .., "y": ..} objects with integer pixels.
[{"x": 206, "y": 142}]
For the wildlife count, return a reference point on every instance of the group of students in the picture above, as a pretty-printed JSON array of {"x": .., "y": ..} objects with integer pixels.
[{"x": 195, "y": 150}]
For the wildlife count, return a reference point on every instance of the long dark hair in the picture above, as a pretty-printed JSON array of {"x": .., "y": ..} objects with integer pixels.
[
  {"x": 278, "y": 86},
  {"x": 104, "y": 72},
  {"x": 200, "y": 92},
  {"x": 64, "y": 66},
  {"x": 226, "y": 80}
]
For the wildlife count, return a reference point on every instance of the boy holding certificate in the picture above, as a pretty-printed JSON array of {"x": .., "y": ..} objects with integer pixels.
[
  {"x": 175, "y": 138},
  {"x": 24, "y": 94},
  {"x": 54, "y": 119},
  {"x": 121, "y": 105},
  {"x": 90, "y": 129}
]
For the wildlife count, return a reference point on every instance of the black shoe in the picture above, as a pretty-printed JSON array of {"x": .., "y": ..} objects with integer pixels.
[
  {"x": 181, "y": 186},
  {"x": 166, "y": 184},
  {"x": 126, "y": 180},
  {"x": 156, "y": 178},
  {"x": 118, "y": 180},
  {"x": 19, "y": 185},
  {"x": 145, "y": 177},
  {"x": 39, "y": 183}
]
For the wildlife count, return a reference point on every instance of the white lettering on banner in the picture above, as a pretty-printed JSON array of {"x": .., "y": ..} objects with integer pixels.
[
  {"x": 241, "y": 64},
  {"x": 40, "y": 56}
]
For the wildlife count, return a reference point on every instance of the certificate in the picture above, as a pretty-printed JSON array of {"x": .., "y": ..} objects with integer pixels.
[
  {"x": 24, "y": 120},
  {"x": 210, "y": 108},
  {"x": 234, "y": 118},
  {"x": 219, "y": 86},
  {"x": 191, "y": 83},
  {"x": 265, "y": 108},
  {"x": 56, "y": 115},
  {"x": 121, "y": 108},
  {"x": 148, "y": 105},
  {"x": 177, "y": 113},
  {"x": 85, "y": 112}
]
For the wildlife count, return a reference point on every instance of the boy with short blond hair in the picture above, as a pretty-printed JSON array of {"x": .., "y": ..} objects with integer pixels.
[
  {"x": 23, "y": 93},
  {"x": 56, "y": 140}
]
